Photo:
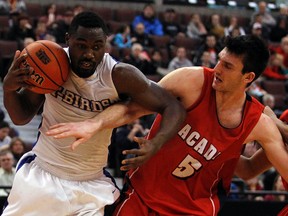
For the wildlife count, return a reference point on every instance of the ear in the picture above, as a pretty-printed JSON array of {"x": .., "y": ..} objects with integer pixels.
[{"x": 249, "y": 77}]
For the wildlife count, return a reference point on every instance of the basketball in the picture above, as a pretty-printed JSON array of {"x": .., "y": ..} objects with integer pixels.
[{"x": 50, "y": 63}]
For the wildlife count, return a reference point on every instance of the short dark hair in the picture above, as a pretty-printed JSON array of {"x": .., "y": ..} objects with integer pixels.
[
  {"x": 87, "y": 19},
  {"x": 4, "y": 124},
  {"x": 254, "y": 51}
]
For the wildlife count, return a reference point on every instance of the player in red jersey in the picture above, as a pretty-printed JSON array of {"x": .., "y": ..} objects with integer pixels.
[{"x": 191, "y": 173}]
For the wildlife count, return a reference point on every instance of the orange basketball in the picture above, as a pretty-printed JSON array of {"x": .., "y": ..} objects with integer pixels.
[{"x": 50, "y": 63}]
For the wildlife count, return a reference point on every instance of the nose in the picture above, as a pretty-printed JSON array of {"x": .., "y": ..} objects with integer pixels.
[
  {"x": 89, "y": 54},
  {"x": 217, "y": 66}
]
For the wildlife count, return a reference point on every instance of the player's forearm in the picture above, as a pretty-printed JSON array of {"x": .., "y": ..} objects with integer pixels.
[
  {"x": 18, "y": 107},
  {"x": 248, "y": 168},
  {"x": 172, "y": 118}
]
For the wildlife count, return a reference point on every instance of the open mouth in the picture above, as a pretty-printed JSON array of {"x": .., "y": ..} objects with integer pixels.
[
  {"x": 217, "y": 79},
  {"x": 86, "y": 65}
]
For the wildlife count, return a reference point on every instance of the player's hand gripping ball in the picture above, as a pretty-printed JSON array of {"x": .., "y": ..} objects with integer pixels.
[{"x": 50, "y": 63}]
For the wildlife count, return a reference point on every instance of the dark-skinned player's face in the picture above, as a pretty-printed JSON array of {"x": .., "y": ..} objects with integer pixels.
[{"x": 86, "y": 50}]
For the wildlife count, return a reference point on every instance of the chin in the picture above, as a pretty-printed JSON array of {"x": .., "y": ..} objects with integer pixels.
[{"x": 83, "y": 73}]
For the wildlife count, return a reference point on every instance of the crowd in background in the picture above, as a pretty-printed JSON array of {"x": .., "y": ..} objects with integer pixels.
[{"x": 156, "y": 43}]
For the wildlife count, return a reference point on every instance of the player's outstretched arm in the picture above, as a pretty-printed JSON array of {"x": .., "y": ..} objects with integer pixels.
[
  {"x": 268, "y": 135},
  {"x": 112, "y": 117},
  {"x": 282, "y": 126},
  {"x": 248, "y": 168},
  {"x": 22, "y": 105}
]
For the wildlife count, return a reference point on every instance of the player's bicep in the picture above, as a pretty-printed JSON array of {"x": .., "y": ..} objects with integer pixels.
[{"x": 271, "y": 140}]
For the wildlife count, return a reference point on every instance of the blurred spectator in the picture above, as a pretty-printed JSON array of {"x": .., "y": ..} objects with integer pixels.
[
  {"x": 205, "y": 60},
  {"x": 267, "y": 18},
  {"x": 18, "y": 148},
  {"x": 2, "y": 115},
  {"x": 138, "y": 57},
  {"x": 276, "y": 69},
  {"x": 180, "y": 60},
  {"x": 259, "y": 28},
  {"x": 78, "y": 8},
  {"x": 123, "y": 140},
  {"x": 196, "y": 28},
  {"x": 259, "y": 31},
  {"x": 269, "y": 100},
  {"x": 279, "y": 30},
  {"x": 5, "y": 139},
  {"x": 21, "y": 30},
  {"x": 256, "y": 90},
  {"x": 253, "y": 185},
  {"x": 283, "y": 49},
  {"x": 27, "y": 41},
  {"x": 148, "y": 17},
  {"x": 216, "y": 27},
  {"x": 142, "y": 37},
  {"x": 233, "y": 25},
  {"x": 122, "y": 38},
  {"x": 155, "y": 65},
  {"x": 41, "y": 31},
  {"x": 7, "y": 171},
  {"x": 12, "y": 6},
  {"x": 156, "y": 61},
  {"x": 171, "y": 26},
  {"x": 277, "y": 186},
  {"x": 51, "y": 13},
  {"x": 59, "y": 28},
  {"x": 212, "y": 46}
]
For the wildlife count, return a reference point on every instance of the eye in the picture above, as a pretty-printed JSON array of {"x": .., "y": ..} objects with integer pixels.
[
  {"x": 95, "y": 48},
  {"x": 81, "y": 46},
  {"x": 227, "y": 65}
]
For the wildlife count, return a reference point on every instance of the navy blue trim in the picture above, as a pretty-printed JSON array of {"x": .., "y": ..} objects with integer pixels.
[
  {"x": 25, "y": 160},
  {"x": 107, "y": 174}
]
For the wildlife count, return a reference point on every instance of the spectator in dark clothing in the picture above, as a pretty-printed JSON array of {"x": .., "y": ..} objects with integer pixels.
[
  {"x": 279, "y": 30},
  {"x": 123, "y": 140},
  {"x": 210, "y": 45},
  {"x": 23, "y": 29},
  {"x": 156, "y": 62},
  {"x": 60, "y": 27},
  {"x": 170, "y": 25},
  {"x": 2, "y": 115},
  {"x": 141, "y": 37},
  {"x": 138, "y": 57}
]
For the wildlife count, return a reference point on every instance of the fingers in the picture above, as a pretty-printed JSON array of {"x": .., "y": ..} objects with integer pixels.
[
  {"x": 18, "y": 59},
  {"x": 58, "y": 131},
  {"x": 136, "y": 158},
  {"x": 131, "y": 163},
  {"x": 77, "y": 143}
]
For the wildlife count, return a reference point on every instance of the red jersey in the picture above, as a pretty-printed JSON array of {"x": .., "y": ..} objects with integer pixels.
[
  {"x": 192, "y": 171},
  {"x": 284, "y": 116}
]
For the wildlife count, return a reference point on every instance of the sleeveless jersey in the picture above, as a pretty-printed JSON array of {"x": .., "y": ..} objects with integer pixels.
[
  {"x": 77, "y": 100},
  {"x": 192, "y": 171}
]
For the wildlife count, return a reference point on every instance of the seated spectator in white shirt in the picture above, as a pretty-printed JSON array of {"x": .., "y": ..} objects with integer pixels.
[{"x": 7, "y": 171}]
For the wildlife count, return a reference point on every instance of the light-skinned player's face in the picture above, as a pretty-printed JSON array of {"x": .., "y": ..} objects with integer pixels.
[
  {"x": 228, "y": 72},
  {"x": 86, "y": 50}
]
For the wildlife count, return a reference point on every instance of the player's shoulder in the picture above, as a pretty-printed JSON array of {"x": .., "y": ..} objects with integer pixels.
[{"x": 183, "y": 74}]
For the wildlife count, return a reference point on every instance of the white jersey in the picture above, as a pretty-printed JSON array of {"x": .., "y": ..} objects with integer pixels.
[{"x": 77, "y": 100}]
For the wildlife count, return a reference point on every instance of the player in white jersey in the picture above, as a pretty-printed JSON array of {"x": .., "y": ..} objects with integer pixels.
[{"x": 56, "y": 178}]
